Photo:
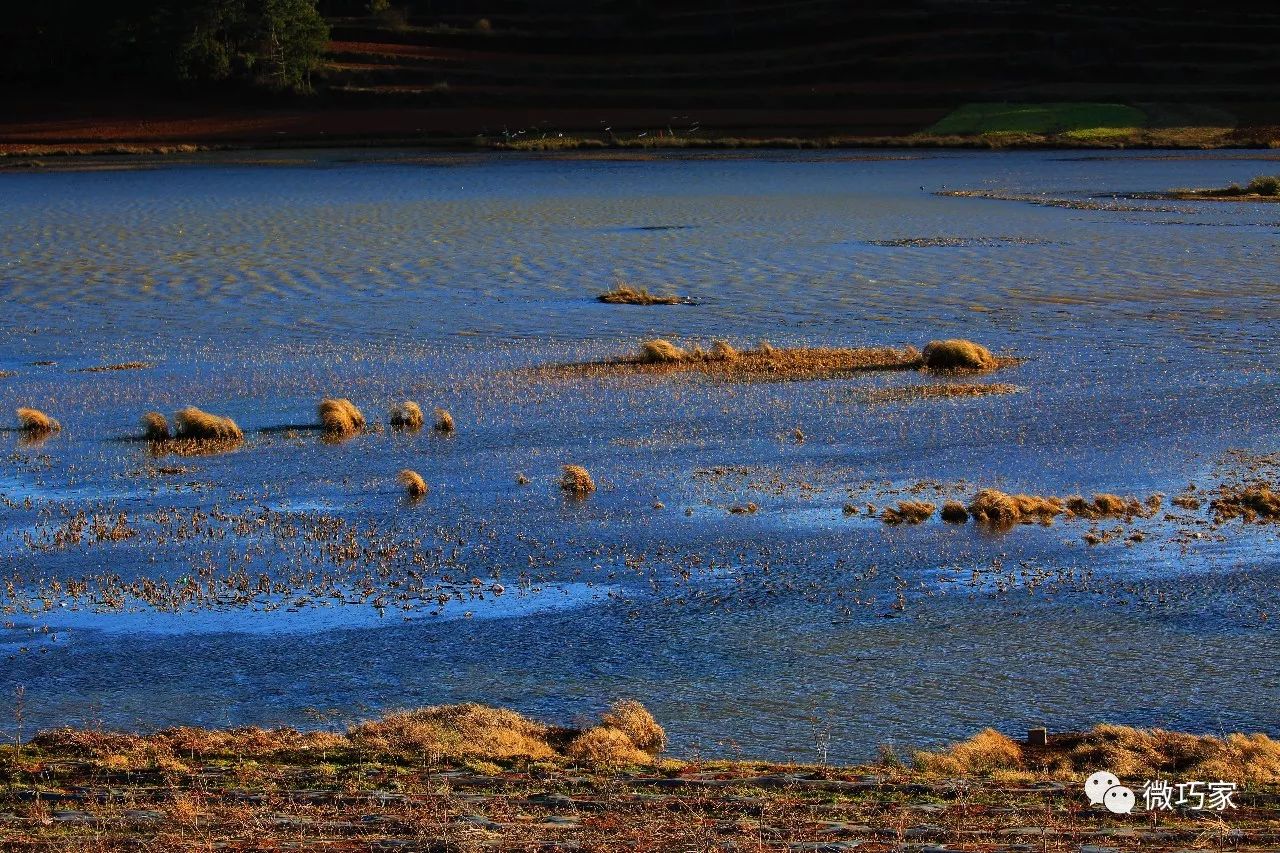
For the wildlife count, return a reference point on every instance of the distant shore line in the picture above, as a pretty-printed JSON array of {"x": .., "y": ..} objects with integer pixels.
[{"x": 22, "y": 154}]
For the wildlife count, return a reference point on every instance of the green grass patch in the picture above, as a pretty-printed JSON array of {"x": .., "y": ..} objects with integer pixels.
[{"x": 974, "y": 119}]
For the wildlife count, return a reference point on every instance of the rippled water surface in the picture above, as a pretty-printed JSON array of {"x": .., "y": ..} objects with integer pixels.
[{"x": 256, "y": 286}]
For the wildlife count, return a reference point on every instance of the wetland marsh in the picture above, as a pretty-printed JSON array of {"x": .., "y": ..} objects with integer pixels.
[{"x": 287, "y": 576}]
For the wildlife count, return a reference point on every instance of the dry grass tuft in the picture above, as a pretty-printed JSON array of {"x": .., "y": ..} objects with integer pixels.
[
  {"x": 36, "y": 421},
  {"x": 606, "y": 748},
  {"x": 407, "y": 415},
  {"x": 985, "y": 752},
  {"x": 911, "y": 512},
  {"x": 998, "y": 509},
  {"x": 1106, "y": 506},
  {"x": 953, "y": 512},
  {"x": 659, "y": 351},
  {"x": 339, "y": 416},
  {"x": 457, "y": 732},
  {"x": 444, "y": 421},
  {"x": 194, "y": 423},
  {"x": 634, "y": 720},
  {"x": 625, "y": 294},
  {"x": 577, "y": 481},
  {"x": 723, "y": 350},
  {"x": 1255, "y": 503},
  {"x": 1128, "y": 752},
  {"x": 958, "y": 354},
  {"x": 414, "y": 486},
  {"x": 155, "y": 427}
]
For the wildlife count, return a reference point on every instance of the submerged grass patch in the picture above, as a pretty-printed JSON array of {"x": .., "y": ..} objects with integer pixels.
[
  {"x": 767, "y": 362},
  {"x": 626, "y": 294}
]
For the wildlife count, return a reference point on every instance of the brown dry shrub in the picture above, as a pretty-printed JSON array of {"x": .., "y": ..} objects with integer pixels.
[
  {"x": 659, "y": 351},
  {"x": 953, "y": 512},
  {"x": 407, "y": 415},
  {"x": 339, "y": 416},
  {"x": 911, "y": 512},
  {"x": 577, "y": 481},
  {"x": 986, "y": 752},
  {"x": 414, "y": 486},
  {"x": 606, "y": 748},
  {"x": 34, "y": 420},
  {"x": 194, "y": 423},
  {"x": 457, "y": 732},
  {"x": 155, "y": 427},
  {"x": 998, "y": 509},
  {"x": 444, "y": 421},
  {"x": 958, "y": 354},
  {"x": 634, "y": 720},
  {"x": 1105, "y": 505},
  {"x": 1254, "y": 503}
]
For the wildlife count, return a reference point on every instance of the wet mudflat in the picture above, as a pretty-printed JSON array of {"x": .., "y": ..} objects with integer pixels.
[{"x": 288, "y": 574}]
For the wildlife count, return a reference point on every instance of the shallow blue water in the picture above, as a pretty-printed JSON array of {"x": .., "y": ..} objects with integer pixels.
[{"x": 258, "y": 287}]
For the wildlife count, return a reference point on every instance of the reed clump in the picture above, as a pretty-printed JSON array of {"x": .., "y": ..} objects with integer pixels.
[
  {"x": 339, "y": 416},
  {"x": 1104, "y": 505},
  {"x": 998, "y": 509},
  {"x": 36, "y": 422},
  {"x": 1130, "y": 753},
  {"x": 626, "y": 294},
  {"x": 155, "y": 427},
  {"x": 1253, "y": 503},
  {"x": 634, "y": 720},
  {"x": 457, "y": 732},
  {"x": 606, "y": 748},
  {"x": 407, "y": 415},
  {"x": 957, "y": 354},
  {"x": 576, "y": 481},
  {"x": 414, "y": 486},
  {"x": 909, "y": 512},
  {"x": 953, "y": 512},
  {"x": 193, "y": 423},
  {"x": 444, "y": 422}
]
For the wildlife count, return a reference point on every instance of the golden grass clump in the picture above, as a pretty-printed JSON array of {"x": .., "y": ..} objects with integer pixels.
[
  {"x": 634, "y": 719},
  {"x": 457, "y": 732},
  {"x": 606, "y": 748},
  {"x": 155, "y": 427},
  {"x": 998, "y": 509},
  {"x": 407, "y": 415},
  {"x": 1128, "y": 752},
  {"x": 911, "y": 512},
  {"x": 577, "y": 481},
  {"x": 444, "y": 421},
  {"x": 414, "y": 486},
  {"x": 958, "y": 354},
  {"x": 723, "y": 350},
  {"x": 36, "y": 421},
  {"x": 1254, "y": 503},
  {"x": 626, "y": 294},
  {"x": 659, "y": 351},
  {"x": 986, "y": 752},
  {"x": 953, "y": 512},
  {"x": 339, "y": 416},
  {"x": 194, "y": 423},
  {"x": 1105, "y": 506}
]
